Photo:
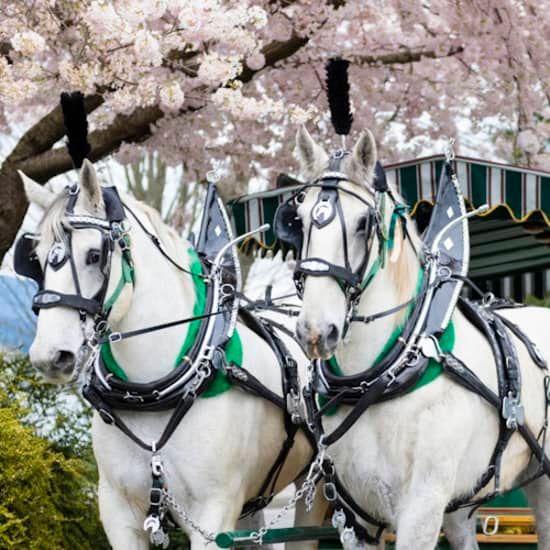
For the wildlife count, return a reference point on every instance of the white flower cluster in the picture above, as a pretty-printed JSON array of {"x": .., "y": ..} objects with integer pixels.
[
  {"x": 216, "y": 70},
  {"x": 243, "y": 107},
  {"x": 28, "y": 43},
  {"x": 528, "y": 142},
  {"x": 171, "y": 96},
  {"x": 147, "y": 49}
]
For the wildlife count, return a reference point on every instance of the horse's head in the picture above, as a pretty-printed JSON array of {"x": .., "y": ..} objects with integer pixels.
[
  {"x": 343, "y": 218},
  {"x": 79, "y": 262}
]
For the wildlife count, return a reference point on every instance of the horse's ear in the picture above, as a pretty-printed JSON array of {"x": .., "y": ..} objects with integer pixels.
[
  {"x": 364, "y": 157},
  {"x": 36, "y": 193},
  {"x": 89, "y": 185},
  {"x": 312, "y": 157}
]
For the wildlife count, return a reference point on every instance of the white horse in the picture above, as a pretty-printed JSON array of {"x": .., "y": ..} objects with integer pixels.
[
  {"x": 220, "y": 453},
  {"x": 405, "y": 459}
]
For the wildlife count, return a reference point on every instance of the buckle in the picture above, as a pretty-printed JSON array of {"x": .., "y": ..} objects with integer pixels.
[
  {"x": 512, "y": 411},
  {"x": 329, "y": 491},
  {"x": 114, "y": 337},
  {"x": 156, "y": 464},
  {"x": 106, "y": 416}
]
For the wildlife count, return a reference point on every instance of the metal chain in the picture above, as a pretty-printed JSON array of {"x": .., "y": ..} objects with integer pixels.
[
  {"x": 307, "y": 491},
  {"x": 175, "y": 507}
]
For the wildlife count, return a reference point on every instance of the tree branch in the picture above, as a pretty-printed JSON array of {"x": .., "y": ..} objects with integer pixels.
[{"x": 404, "y": 56}]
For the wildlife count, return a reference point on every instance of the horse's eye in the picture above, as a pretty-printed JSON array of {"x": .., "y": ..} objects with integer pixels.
[
  {"x": 93, "y": 256},
  {"x": 299, "y": 198},
  {"x": 362, "y": 224}
]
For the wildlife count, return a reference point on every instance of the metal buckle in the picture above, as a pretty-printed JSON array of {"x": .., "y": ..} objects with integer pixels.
[
  {"x": 106, "y": 416},
  {"x": 512, "y": 411},
  {"x": 115, "y": 337},
  {"x": 132, "y": 398},
  {"x": 329, "y": 491},
  {"x": 487, "y": 299},
  {"x": 156, "y": 463}
]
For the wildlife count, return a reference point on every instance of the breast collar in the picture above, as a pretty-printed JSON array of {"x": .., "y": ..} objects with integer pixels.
[{"x": 444, "y": 264}]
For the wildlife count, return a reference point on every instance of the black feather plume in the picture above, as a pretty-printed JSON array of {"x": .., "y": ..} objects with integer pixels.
[
  {"x": 76, "y": 126},
  {"x": 338, "y": 95}
]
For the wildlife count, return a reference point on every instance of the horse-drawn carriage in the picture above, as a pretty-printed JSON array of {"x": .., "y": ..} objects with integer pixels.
[{"x": 212, "y": 425}]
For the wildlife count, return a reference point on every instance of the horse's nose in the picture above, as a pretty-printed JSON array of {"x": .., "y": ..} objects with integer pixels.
[
  {"x": 63, "y": 360},
  {"x": 319, "y": 341},
  {"x": 331, "y": 337}
]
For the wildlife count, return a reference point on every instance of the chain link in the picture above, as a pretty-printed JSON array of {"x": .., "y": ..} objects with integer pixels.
[
  {"x": 307, "y": 491},
  {"x": 170, "y": 501}
]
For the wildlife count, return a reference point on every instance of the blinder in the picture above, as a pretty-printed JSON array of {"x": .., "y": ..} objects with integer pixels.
[
  {"x": 25, "y": 260},
  {"x": 288, "y": 226}
]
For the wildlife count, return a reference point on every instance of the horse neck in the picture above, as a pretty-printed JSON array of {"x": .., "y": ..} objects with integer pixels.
[
  {"x": 161, "y": 294},
  {"x": 393, "y": 285}
]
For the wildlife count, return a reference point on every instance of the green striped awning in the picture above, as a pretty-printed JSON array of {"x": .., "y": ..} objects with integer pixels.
[
  {"x": 512, "y": 237},
  {"x": 522, "y": 192}
]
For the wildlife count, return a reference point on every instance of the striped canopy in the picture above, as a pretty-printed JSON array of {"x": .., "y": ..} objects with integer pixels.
[{"x": 510, "y": 239}]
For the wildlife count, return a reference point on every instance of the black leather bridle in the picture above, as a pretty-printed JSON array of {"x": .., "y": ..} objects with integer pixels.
[
  {"x": 288, "y": 227},
  {"x": 113, "y": 232}
]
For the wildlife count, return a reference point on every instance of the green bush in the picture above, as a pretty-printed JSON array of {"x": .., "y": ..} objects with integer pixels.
[
  {"x": 541, "y": 302},
  {"x": 47, "y": 475}
]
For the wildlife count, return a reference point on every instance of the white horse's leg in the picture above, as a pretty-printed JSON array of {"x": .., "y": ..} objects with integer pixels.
[
  {"x": 122, "y": 521},
  {"x": 461, "y": 530},
  {"x": 313, "y": 518},
  {"x": 538, "y": 494},
  {"x": 420, "y": 519}
]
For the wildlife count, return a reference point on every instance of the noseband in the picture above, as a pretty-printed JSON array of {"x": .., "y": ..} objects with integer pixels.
[{"x": 327, "y": 208}]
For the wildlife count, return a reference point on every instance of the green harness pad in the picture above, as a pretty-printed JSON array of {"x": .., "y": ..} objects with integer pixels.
[
  {"x": 233, "y": 349},
  {"x": 433, "y": 370}
]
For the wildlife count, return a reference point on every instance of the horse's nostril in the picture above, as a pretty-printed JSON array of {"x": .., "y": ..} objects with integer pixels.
[
  {"x": 63, "y": 360},
  {"x": 332, "y": 335}
]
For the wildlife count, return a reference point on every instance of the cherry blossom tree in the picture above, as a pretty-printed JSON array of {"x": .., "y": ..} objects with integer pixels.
[{"x": 225, "y": 82}]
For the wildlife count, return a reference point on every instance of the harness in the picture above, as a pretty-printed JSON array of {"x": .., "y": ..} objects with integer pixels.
[
  {"x": 402, "y": 367},
  {"x": 211, "y": 353}
]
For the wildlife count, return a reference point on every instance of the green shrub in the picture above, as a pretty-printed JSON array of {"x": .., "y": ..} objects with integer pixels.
[
  {"x": 47, "y": 474},
  {"x": 541, "y": 302}
]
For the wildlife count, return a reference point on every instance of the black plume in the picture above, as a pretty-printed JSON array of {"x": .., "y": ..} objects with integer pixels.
[
  {"x": 76, "y": 126},
  {"x": 338, "y": 95}
]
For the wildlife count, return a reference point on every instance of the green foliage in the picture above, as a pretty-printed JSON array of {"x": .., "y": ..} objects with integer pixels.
[
  {"x": 541, "y": 302},
  {"x": 47, "y": 473}
]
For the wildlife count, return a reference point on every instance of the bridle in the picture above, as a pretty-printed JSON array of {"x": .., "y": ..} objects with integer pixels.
[
  {"x": 327, "y": 209},
  {"x": 114, "y": 234},
  {"x": 113, "y": 231}
]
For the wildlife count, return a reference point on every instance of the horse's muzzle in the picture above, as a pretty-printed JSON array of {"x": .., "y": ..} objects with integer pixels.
[
  {"x": 59, "y": 367},
  {"x": 320, "y": 341}
]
